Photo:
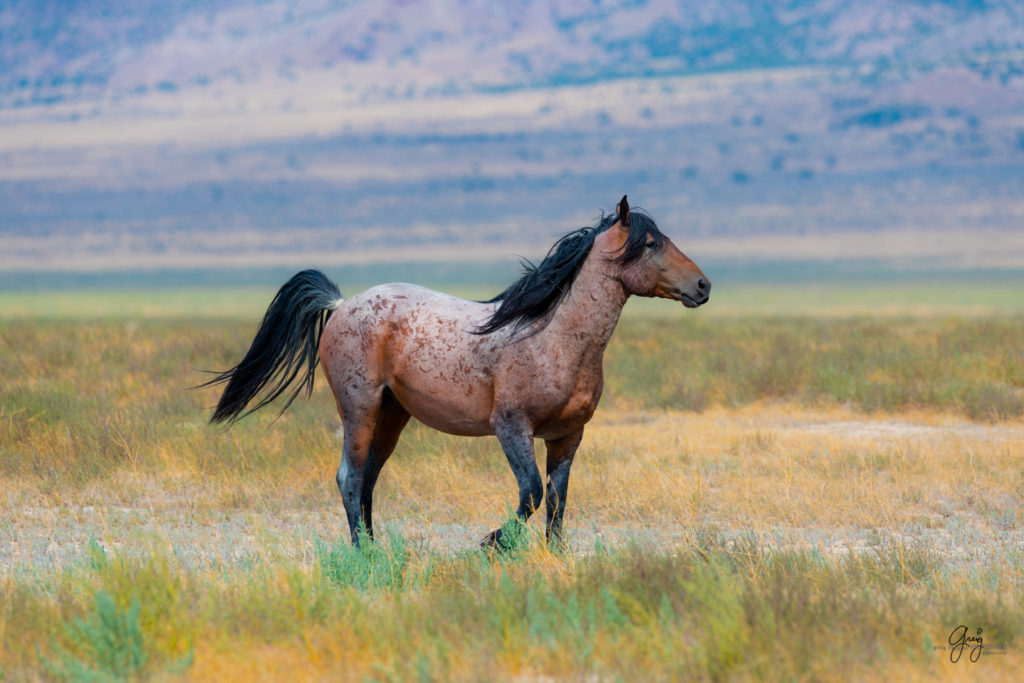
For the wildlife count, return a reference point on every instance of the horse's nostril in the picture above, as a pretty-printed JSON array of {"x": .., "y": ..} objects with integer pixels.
[{"x": 702, "y": 285}]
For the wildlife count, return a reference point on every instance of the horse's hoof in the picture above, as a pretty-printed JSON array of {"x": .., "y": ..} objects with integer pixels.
[{"x": 492, "y": 540}]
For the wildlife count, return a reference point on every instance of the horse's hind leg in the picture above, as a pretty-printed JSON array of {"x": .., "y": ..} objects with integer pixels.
[
  {"x": 391, "y": 420},
  {"x": 560, "y": 455},
  {"x": 371, "y": 433}
]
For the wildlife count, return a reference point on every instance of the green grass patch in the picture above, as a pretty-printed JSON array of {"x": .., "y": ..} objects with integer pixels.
[
  {"x": 106, "y": 644},
  {"x": 781, "y": 290},
  {"x": 370, "y": 565},
  {"x": 715, "y": 608}
]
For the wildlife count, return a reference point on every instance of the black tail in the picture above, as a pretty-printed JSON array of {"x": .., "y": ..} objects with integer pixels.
[{"x": 287, "y": 340}]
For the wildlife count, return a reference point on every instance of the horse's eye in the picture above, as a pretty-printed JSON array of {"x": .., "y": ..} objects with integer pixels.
[{"x": 650, "y": 245}]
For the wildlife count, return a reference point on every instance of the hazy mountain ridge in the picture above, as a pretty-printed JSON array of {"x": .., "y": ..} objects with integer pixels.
[
  {"x": 54, "y": 50},
  {"x": 352, "y": 129}
]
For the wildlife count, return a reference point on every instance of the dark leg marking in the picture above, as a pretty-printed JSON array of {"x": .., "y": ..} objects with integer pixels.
[
  {"x": 350, "y": 476},
  {"x": 516, "y": 437}
]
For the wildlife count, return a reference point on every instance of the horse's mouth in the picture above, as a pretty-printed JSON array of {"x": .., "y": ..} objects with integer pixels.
[{"x": 690, "y": 302}]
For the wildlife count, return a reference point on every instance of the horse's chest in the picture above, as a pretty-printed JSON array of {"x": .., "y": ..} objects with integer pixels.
[
  {"x": 557, "y": 389},
  {"x": 582, "y": 404},
  {"x": 570, "y": 405}
]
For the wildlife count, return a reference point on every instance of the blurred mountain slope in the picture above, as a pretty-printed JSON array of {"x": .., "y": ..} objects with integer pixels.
[
  {"x": 68, "y": 49},
  {"x": 228, "y": 132}
]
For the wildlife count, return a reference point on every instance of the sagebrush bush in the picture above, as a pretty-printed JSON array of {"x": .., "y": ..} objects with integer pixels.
[{"x": 106, "y": 645}]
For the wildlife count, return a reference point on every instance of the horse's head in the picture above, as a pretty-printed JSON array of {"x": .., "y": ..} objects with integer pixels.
[{"x": 651, "y": 265}]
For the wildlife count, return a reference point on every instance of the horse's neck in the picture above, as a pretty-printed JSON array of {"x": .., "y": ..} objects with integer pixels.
[{"x": 585, "y": 319}]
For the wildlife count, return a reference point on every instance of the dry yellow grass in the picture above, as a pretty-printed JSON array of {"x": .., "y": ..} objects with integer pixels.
[
  {"x": 814, "y": 527},
  {"x": 833, "y": 479}
]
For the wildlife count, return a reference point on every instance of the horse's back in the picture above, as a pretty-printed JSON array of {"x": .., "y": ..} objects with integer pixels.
[{"x": 407, "y": 311}]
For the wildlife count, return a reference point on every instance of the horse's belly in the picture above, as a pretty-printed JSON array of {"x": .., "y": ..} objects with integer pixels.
[
  {"x": 463, "y": 412},
  {"x": 444, "y": 389}
]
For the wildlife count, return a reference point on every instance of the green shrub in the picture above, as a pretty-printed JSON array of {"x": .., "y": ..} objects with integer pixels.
[
  {"x": 107, "y": 645},
  {"x": 370, "y": 565}
]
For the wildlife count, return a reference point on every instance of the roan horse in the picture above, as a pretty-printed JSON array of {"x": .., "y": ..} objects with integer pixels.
[{"x": 527, "y": 363}]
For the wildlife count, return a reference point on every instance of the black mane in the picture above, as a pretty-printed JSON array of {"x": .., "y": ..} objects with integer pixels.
[{"x": 543, "y": 286}]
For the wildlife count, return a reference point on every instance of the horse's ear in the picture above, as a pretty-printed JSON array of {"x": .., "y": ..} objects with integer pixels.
[{"x": 623, "y": 210}]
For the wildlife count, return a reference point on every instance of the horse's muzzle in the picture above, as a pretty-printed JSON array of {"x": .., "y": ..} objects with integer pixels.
[
  {"x": 690, "y": 302},
  {"x": 698, "y": 297}
]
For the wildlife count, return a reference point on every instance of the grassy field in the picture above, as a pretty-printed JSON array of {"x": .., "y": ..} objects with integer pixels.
[{"x": 797, "y": 484}]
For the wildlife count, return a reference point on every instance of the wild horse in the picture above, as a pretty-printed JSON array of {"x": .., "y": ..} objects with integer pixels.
[{"x": 525, "y": 364}]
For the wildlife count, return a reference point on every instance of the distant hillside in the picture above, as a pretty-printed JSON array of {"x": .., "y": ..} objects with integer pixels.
[
  {"x": 185, "y": 133},
  {"x": 55, "y": 50}
]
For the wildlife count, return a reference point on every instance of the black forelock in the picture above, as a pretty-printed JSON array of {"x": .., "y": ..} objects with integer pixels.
[
  {"x": 642, "y": 229},
  {"x": 543, "y": 286}
]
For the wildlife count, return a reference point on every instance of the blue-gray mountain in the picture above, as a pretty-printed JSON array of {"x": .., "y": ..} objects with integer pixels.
[
  {"x": 428, "y": 124},
  {"x": 51, "y": 50}
]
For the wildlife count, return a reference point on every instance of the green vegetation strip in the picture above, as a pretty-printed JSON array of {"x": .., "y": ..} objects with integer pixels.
[
  {"x": 716, "y": 608},
  {"x": 736, "y": 292}
]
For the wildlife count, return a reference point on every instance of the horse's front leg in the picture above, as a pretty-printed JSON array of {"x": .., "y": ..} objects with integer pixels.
[
  {"x": 516, "y": 436},
  {"x": 560, "y": 455}
]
